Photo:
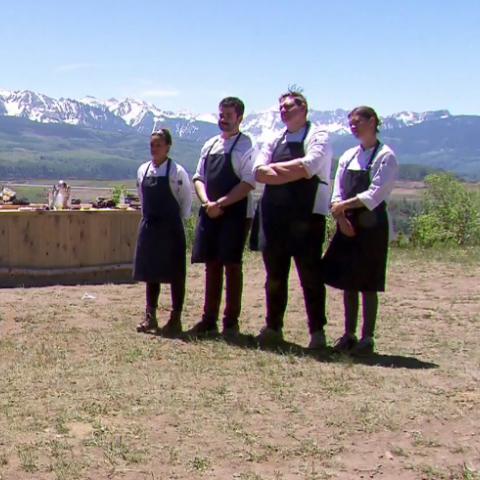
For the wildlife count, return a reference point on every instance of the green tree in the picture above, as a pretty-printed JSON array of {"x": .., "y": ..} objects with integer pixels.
[{"x": 450, "y": 214}]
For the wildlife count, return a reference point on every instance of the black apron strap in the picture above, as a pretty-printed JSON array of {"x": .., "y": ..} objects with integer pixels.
[
  {"x": 372, "y": 156},
  {"x": 169, "y": 163},
  {"x": 234, "y": 143},
  {"x": 280, "y": 140},
  {"x": 211, "y": 148},
  {"x": 307, "y": 129},
  {"x": 146, "y": 172},
  {"x": 370, "y": 160},
  {"x": 207, "y": 155}
]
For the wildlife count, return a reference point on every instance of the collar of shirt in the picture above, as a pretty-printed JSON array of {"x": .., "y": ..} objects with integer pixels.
[{"x": 295, "y": 136}]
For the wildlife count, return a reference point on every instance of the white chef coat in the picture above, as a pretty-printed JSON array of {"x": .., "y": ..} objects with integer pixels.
[
  {"x": 242, "y": 160},
  {"x": 178, "y": 180},
  {"x": 383, "y": 173},
  {"x": 317, "y": 160}
]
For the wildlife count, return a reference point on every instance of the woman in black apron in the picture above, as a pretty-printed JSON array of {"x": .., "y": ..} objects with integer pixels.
[
  {"x": 356, "y": 259},
  {"x": 161, "y": 247}
]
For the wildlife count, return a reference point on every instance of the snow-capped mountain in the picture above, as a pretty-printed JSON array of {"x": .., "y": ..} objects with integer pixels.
[
  {"x": 132, "y": 114},
  {"x": 145, "y": 117},
  {"x": 44, "y": 109}
]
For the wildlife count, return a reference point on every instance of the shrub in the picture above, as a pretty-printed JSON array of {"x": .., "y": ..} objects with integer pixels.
[{"x": 450, "y": 214}]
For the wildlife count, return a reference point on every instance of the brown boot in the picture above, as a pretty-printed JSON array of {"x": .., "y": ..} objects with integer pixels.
[
  {"x": 150, "y": 321},
  {"x": 173, "y": 328}
]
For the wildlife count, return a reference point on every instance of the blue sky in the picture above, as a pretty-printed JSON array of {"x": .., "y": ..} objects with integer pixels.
[{"x": 186, "y": 55}]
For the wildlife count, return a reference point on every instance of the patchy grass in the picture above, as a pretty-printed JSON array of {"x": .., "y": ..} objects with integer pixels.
[{"x": 84, "y": 396}]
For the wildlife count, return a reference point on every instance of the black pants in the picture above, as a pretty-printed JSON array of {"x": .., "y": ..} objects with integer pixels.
[
  {"x": 177, "y": 288},
  {"x": 369, "y": 308},
  {"x": 309, "y": 268}
]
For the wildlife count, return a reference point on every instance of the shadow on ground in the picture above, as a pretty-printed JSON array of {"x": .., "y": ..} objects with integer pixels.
[{"x": 324, "y": 355}]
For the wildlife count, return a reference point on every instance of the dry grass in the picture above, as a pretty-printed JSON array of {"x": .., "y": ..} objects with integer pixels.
[{"x": 84, "y": 396}]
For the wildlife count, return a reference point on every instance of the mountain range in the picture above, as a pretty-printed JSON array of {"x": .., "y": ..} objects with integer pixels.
[{"x": 43, "y": 136}]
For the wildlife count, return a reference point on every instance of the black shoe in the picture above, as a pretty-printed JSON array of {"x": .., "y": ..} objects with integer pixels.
[
  {"x": 149, "y": 323},
  {"x": 366, "y": 346},
  {"x": 173, "y": 328},
  {"x": 269, "y": 336},
  {"x": 231, "y": 330},
  {"x": 345, "y": 343},
  {"x": 204, "y": 328}
]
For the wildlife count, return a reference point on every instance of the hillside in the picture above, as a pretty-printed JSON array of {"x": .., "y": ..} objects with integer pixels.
[
  {"x": 31, "y": 149},
  {"x": 50, "y": 150}
]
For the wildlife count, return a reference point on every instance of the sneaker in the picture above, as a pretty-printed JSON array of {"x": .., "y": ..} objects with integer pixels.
[
  {"x": 365, "y": 346},
  {"x": 149, "y": 323},
  {"x": 173, "y": 328},
  {"x": 317, "y": 340},
  {"x": 204, "y": 328},
  {"x": 345, "y": 343},
  {"x": 268, "y": 335}
]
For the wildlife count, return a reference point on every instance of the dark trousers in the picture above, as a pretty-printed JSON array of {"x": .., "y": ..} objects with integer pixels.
[
  {"x": 213, "y": 292},
  {"x": 277, "y": 266},
  {"x": 369, "y": 310},
  {"x": 177, "y": 289}
]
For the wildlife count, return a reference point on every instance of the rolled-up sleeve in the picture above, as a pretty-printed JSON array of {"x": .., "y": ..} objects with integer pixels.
[
  {"x": 200, "y": 171},
  {"x": 246, "y": 172},
  {"x": 382, "y": 182},
  {"x": 318, "y": 151},
  {"x": 337, "y": 192}
]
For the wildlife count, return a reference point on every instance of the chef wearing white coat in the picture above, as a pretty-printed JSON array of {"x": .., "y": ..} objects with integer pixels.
[
  {"x": 295, "y": 169},
  {"x": 357, "y": 256},
  {"x": 223, "y": 182},
  {"x": 166, "y": 197}
]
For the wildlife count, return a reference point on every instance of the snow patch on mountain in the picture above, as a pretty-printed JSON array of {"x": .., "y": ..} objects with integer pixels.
[{"x": 143, "y": 117}]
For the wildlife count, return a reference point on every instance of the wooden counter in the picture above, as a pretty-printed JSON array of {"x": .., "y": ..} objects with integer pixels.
[{"x": 67, "y": 246}]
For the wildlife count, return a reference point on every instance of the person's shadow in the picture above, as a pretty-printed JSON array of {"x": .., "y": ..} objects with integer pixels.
[{"x": 328, "y": 355}]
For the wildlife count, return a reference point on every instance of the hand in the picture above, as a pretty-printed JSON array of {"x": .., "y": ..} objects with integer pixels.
[
  {"x": 213, "y": 210},
  {"x": 337, "y": 209},
  {"x": 345, "y": 226},
  {"x": 279, "y": 168}
]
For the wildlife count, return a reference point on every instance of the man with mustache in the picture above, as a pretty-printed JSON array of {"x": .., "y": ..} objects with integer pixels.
[{"x": 223, "y": 181}]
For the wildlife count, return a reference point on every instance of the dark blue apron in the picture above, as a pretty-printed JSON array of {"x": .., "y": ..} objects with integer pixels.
[
  {"x": 161, "y": 246},
  {"x": 359, "y": 263},
  {"x": 221, "y": 238},
  {"x": 283, "y": 218}
]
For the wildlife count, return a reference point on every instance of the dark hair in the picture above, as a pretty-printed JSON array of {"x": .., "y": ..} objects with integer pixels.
[
  {"x": 235, "y": 103},
  {"x": 367, "y": 113},
  {"x": 297, "y": 95},
  {"x": 163, "y": 133}
]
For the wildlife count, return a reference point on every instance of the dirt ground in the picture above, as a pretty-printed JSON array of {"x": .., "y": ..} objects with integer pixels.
[{"x": 83, "y": 396}]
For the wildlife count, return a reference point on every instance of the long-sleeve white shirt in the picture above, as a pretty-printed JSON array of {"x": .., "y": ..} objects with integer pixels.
[
  {"x": 178, "y": 180},
  {"x": 383, "y": 173},
  {"x": 317, "y": 160},
  {"x": 242, "y": 160}
]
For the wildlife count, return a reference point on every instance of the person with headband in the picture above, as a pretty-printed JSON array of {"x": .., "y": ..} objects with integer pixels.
[
  {"x": 160, "y": 257},
  {"x": 356, "y": 258}
]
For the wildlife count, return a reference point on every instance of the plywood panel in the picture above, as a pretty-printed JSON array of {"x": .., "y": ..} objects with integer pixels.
[{"x": 67, "y": 239}]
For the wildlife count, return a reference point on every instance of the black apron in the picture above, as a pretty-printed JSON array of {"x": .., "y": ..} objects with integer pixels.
[
  {"x": 283, "y": 219},
  {"x": 161, "y": 246},
  {"x": 221, "y": 238},
  {"x": 359, "y": 263}
]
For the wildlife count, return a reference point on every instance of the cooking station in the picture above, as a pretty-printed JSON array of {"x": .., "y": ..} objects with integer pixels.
[{"x": 46, "y": 247}]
